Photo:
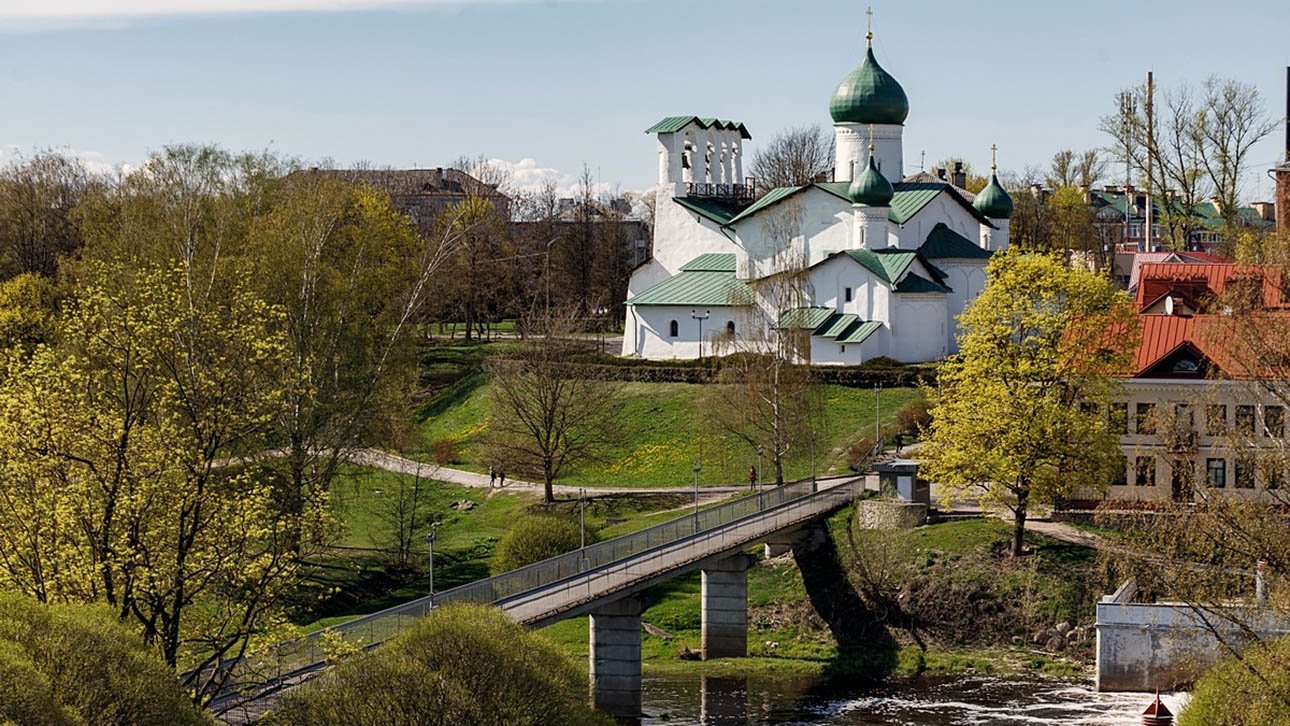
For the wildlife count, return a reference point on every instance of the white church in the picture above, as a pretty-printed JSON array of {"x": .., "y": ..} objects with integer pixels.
[{"x": 883, "y": 264}]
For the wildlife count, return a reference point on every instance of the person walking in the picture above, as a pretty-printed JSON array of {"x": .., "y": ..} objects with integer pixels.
[
  {"x": 501, "y": 479},
  {"x": 492, "y": 476},
  {"x": 752, "y": 478}
]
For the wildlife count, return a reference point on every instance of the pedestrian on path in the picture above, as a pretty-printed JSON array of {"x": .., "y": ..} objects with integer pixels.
[
  {"x": 492, "y": 476},
  {"x": 501, "y": 479},
  {"x": 752, "y": 478}
]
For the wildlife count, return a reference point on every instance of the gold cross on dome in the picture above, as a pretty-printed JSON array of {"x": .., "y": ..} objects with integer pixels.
[
  {"x": 994, "y": 157},
  {"x": 868, "y": 36}
]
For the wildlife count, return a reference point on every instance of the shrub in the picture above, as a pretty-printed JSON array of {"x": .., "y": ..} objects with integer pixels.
[
  {"x": 914, "y": 417},
  {"x": 536, "y": 537},
  {"x": 79, "y": 664},
  {"x": 463, "y": 664},
  {"x": 1254, "y": 689},
  {"x": 445, "y": 451}
]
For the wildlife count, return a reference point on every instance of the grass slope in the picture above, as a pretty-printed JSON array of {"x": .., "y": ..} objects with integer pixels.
[{"x": 664, "y": 432}]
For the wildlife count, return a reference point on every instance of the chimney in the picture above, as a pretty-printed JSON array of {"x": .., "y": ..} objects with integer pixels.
[
  {"x": 1282, "y": 174},
  {"x": 940, "y": 173},
  {"x": 959, "y": 178}
]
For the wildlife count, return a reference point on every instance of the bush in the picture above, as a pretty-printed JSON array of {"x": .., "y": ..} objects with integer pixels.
[
  {"x": 914, "y": 418},
  {"x": 445, "y": 451},
  {"x": 463, "y": 664},
  {"x": 80, "y": 665},
  {"x": 536, "y": 537},
  {"x": 1254, "y": 689}
]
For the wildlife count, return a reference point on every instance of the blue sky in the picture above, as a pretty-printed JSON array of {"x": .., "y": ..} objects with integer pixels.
[{"x": 550, "y": 85}]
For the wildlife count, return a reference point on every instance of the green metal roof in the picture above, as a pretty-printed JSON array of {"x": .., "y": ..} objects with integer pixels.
[
  {"x": 811, "y": 318},
  {"x": 888, "y": 264},
  {"x": 672, "y": 124},
  {"x": 993, "y": 201},
  {"x": 697, "y": 287},
  {"x": 870, "y": 187},
  {"x": 869, "y": 95},
  {"x": 858, "y": 331},
  {"x": 909, "y": 198},
  {"x": 711, "y": 262},
  {"x": 943, "y": 242},
  {"x": 835, "y": 325},
  {"x": 771, "y": 197},
  {"x": 715, "y": 210},
  {"x": 914, "y": 282}
]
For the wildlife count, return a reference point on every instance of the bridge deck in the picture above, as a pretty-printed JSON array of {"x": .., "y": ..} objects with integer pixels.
[{"x": 564, "y": 586}]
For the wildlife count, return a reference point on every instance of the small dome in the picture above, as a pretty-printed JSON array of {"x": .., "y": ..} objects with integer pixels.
[
  {"x": 869, "y": 95},
  {"x": 871, "y": 188},
  {"x": 993, "y": 202}
]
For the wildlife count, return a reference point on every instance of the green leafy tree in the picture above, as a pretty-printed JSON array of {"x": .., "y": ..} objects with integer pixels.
[
  {"x": 1252, "y": 688},
  {"x": 26, "y": 312},
  {"x": 462, "y": 664},
  {"x": 535, "y": 538},
  {"x": 1017, "y": 418},
  {"x": 72, "y": 664}
]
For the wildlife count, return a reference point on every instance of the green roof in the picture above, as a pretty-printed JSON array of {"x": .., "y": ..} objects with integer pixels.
[
  {"x": 858, "y": 331},
  {"x": 672, "y": 124},
  {"x": 888, "y": 264},
  {"x": 835, "y": 325},
  {"x": 713, "y": 209},
  {"x": 870, "y": 187},
  {"x": 909, "y": 198},
  {"x": 917, "y": 283},
  {"x": 699, "y": 286},
  {"x": 804, "y": 318},
  {"x": 943, "y": 242},
  {"x": 771, "y": 197},
  {"x": 711, "y": 262},
  {"x": 993, "y": 201},
  {"x": 869, "y": 95}
]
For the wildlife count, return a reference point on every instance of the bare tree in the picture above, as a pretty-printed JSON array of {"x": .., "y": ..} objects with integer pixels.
[
  {"x": 1061, "y": 171},
  {"x": 1071, "y": 169},
  {"x": 1232, "y": 122},
  {"x": 406, "y": 514},
  {"x": 1090, "y": 167},
  {"x": 793, "y": 157},
  {"x": 547, "y": 414},
  {"x": 37, "y": 199}
]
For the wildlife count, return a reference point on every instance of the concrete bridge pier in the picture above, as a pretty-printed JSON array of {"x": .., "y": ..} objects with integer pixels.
[
  {"x": 725, "y": 607},
  {"x": 615, "y": 657}
]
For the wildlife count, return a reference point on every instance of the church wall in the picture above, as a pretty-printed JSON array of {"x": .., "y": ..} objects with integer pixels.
[
  {"x": 851, "y": 150},
  {"x": 967, "y": 279},
  {"x": 829, "y": 352},
  {"x": 648, "y": 330},
  {"x": 680, "y": 235},
  {"x": 918, "y": 327},
  {"x": 830, "y": 280},
  {"x": 941, "y": 209},
  {"x": 646, "y": 276},
  {"x": 823, "y": 227}
]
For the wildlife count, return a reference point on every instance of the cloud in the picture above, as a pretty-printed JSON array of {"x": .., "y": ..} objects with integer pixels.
[
  {"x": 49, "y": 14},
  {"x": 527, "y": 176},
  {"x": 95, "y": 162}
]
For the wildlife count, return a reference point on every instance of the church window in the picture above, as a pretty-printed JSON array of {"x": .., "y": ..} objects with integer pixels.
[
  {"x": 846, "y": 294},
  {"x": 730, "y": 327},
  {"x": 844, "y": 347},
  {"x": 674, "y": 329}
]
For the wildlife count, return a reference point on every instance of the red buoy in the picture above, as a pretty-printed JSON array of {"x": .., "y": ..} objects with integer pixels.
[{"x": 1157, "y": 714}]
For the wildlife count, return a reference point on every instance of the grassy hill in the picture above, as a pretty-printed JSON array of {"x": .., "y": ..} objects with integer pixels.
[{"x": 664, "y": 432}]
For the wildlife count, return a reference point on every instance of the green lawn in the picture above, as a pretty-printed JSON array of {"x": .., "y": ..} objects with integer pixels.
[{"x": 664, "y": 432}]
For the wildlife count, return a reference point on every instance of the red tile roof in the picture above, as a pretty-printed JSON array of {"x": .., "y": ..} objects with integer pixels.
[{"x": 1196, "y": 281}]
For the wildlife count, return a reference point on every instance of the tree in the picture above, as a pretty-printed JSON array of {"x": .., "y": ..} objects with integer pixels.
[
  {"x": 462, "y": 664},
  {"x": 537, "y": 537},
  {"x": 1016, "y": 416},
  {"x": 547, "y": 415},
  {"x": 793, "y": 157},
  {"x": 38, "y": 200},
  {"x": 73, "y": 664},
  {"x": 406, "y": 514},
  {"x": 1232, "y": 122},
  {"x": 1076, "y": 170},
  {"x": 973, "y": 182},
  {"x": 1253, "y": 688},
  {"x": 26, "y": 312}
]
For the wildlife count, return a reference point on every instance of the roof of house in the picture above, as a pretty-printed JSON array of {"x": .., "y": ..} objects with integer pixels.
[
  {"x": 708, "y": 279},
  {"x": 1207, "y": 279},
  {"x": 1164, "y": 335},
  {"x": 714, "y": 209},
  {"x": 888, "y": 264},
  {"x": 825, "y": 323},
  {"x": 914, "y": 282},
  {"x": 908, "y": 199},
  {"x": 672, "y": 124},
  {"x": 944, "y": 243},
  {"x": 1142, "y": 258}
]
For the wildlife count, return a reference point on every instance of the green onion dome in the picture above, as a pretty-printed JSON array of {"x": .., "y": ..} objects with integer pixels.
[
  {"x": 871, "y": 188},
  {"x": 993, "y": 202},
  {"x": 869, "y": 95}
]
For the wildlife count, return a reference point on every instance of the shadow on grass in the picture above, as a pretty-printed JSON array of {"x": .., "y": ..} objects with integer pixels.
[{"x": 455, "y": 394}]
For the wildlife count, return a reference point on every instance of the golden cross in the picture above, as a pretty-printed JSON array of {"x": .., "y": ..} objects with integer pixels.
[
  {"x": 870, "y": 139},
  {"x": 868, "y": 36},
  {"x": 994, "y": 157}
]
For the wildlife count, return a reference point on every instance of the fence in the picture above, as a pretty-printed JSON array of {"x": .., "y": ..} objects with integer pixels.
[{"x": 780, "y": 506}]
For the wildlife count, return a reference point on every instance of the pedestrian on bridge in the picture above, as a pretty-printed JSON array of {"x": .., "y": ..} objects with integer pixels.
[{"x": 752, "y": 478}]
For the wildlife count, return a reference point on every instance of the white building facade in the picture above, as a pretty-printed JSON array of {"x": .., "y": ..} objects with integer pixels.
[{"x": 868, "y": 264}]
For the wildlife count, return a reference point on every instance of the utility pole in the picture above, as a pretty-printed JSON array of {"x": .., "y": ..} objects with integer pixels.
[
  {"x": 582, "y": 517},
  {"x": 430, "y": 537},
  {"x": 1151, "y": 142},
  {"x": 697, "y": 468},
  {"x": 877, "y": 409}
]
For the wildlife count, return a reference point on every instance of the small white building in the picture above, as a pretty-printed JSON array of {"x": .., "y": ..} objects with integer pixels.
[{"x": 882, "y": 264}]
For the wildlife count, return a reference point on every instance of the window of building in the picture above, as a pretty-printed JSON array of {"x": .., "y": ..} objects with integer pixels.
[
  {"x": 1272, "y": 475},
  {"x": 1245, "y": 420},
  {"x": 1122, "y": 473},
  {"x": 846, "y": 294},
  {"x": 844, "y": 347},
  {"x": 1119, "y": 417},
  {"x": 1216, "y": 419},
  {"x": 1143, "y": 418},
  {"x": 1145, "y": 471},
  {"x": 1184, "y": 416},
  {"x": 1088, "y": 408},
  {"x": 674, "y": 329},
  {"x": 1216, "y": 472},
  {"x": 730, "y": 328},
  {"x": 1244, "y": 470},
  {"x": 1274, "y": 421}
]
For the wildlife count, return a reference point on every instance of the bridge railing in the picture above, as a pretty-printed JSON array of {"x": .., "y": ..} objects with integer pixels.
[{"x": 312, "y": 651}]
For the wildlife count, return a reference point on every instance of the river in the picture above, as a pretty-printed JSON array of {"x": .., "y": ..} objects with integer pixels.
[{"x": 939, "y": 701}]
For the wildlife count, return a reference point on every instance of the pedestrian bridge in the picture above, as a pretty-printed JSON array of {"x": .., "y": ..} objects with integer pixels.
[{"x": 602, "y": 580}]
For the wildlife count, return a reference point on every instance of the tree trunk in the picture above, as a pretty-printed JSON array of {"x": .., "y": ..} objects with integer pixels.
[
  {"x": 548, "y": 479},
  {"x": 1019, "y": 525},
  {"x": 779, "y": 471}
]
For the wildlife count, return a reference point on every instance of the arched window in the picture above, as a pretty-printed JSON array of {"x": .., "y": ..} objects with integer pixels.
[
  {"x": 674, "y": 329},
  {"x": 730, "y": 328}
]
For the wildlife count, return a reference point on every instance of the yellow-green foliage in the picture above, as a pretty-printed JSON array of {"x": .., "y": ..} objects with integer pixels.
[
  {"x": 72, "y": 664},
  {"x": 1252, "y": 690},
  {"x": 1018, "y": 413},
  {"x": 26, "y": 311},
  {"x": 464, "y": 664},
  {"x": 535, "y": 538}
]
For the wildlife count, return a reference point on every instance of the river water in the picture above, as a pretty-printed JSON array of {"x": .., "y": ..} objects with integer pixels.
[{"x": 939, "y": 701}]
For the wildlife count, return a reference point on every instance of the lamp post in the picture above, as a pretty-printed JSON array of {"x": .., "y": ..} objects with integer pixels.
[
  {"x": 700, "y": 318},
  {"x": 582, "y": 517},
  {"x": 430, "y": 536},
  {"x": 877, "y": 408},
  {"x": 697, "y": 468},
  {"x": 760, "y": 450}
]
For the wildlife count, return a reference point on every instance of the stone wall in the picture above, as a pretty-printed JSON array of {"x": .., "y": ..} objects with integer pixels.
[{"x": 890, "y": 514}]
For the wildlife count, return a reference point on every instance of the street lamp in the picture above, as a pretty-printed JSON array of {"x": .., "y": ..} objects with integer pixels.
[
  {"x": 697, "y": 468},
  {"x": 877, "y": 407},
  {"x": 760, "y": 450},
  {"x": 700, "y": 318},
  {"x": 582, "y": 517},
  {"x": 430, "y": 537}
]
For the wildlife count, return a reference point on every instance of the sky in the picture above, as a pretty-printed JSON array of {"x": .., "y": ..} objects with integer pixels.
[{"x": 547, "y": 86}]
